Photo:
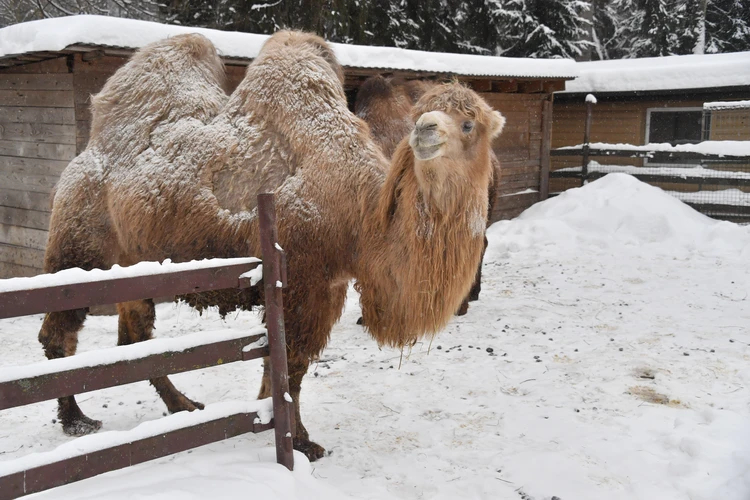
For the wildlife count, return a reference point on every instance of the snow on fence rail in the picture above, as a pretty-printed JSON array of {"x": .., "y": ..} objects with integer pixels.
[{"x": 92, "y": 455}]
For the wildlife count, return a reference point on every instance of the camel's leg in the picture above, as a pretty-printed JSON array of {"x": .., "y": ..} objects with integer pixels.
[
  {"x": 309, "y": 316},
  {"x": 59, "y": 336},
  {"x": 476, "y": 287},
  {"x": 297, "y": 370},
  {"x": 136, "y": 325}
]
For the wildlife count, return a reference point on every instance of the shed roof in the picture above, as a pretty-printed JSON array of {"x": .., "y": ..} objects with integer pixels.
[
  {"x": 51, "y": 35},
  {"x": 670, "y": 73}
]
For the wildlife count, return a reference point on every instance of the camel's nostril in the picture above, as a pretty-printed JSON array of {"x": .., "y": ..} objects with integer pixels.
[{"x": 426, "y": 127}]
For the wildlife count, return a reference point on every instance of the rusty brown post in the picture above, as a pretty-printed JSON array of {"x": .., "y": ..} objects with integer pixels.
[
  {"x": 272, "y": 285},
  {"x": 590, "y": 101}
]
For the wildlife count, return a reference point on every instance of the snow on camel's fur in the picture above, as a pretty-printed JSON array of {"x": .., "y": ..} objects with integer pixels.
[
  {"x": 173, "y": 167},
  {"x": 387, "y": 105}
]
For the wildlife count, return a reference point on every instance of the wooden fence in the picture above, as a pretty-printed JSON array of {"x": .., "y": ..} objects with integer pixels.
[
  {"x": 67, "y": 379},
  {"x": 700, "y": 188},
  {"x": 710, "y": 180}
]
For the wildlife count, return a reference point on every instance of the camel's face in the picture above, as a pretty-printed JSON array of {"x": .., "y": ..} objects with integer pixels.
[
  {"x": 448, "y": 134},
  {"x": 453, "y": 123}
]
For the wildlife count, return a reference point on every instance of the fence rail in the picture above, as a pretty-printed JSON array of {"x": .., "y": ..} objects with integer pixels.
[{"x": 142, "y": 361}]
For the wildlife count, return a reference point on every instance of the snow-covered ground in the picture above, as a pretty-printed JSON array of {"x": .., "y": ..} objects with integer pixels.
[{"x": 608, "y": 357}]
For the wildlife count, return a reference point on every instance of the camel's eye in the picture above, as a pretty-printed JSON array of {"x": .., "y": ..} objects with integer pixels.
[{"x": 467, "y": 126}]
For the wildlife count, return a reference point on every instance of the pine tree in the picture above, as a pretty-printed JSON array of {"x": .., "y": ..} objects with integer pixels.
[
  {"x": 536, "y": 28},
  {"x": 605, "y": 30},
  {"x": 727, "y": 26}
]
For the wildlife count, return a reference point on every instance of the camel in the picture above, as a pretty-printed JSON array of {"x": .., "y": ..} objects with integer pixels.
[
  {"x": 173, "y": 167},
  {"x": 386, "y": 105}
]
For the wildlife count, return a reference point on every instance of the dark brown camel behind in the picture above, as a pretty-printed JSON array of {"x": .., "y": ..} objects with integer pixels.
[{"x": 386, "y": 105}]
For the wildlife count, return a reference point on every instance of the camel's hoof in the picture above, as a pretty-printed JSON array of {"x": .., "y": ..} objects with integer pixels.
[
  {"x": 463, "y": 309},
  {"x": 185, "y": 404},
  {"x": 312, "y": 451},
  {"x": 81, "y": 426}
]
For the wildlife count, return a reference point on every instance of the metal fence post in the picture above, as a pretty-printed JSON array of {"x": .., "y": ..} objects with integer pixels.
[
  {"x": 586, "y": 137},
  {"x": 272, "y": 285}
]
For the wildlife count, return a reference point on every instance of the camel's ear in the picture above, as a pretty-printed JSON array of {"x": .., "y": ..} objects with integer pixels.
[{"x": 497, "y": 124}]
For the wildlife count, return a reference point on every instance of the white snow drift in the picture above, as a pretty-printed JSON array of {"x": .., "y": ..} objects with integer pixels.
[{"x": 606, "y": 358}]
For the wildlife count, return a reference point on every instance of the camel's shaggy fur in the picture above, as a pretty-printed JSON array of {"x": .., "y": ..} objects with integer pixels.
[
  {"x": 388, "y": 107},
  {"x": 184, "y": 187}
]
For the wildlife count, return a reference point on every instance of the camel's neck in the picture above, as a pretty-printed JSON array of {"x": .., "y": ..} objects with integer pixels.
[{"x": 421, "y": 247}]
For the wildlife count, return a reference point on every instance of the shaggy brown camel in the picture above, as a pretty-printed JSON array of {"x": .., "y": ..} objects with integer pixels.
[
  {"x": 386, "y": 104},
  {"x": 173, "y": 167}
]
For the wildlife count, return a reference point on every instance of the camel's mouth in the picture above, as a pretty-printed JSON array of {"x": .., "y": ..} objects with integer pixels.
[
  {"x": 425, "y": 153},
  {"x": 426, "y": 144}
]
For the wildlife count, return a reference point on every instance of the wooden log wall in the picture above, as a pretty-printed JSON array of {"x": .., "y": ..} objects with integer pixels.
[{"x": 45, "y": 120}]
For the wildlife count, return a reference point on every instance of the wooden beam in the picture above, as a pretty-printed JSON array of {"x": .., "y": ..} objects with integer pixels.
[
  {"x": 508, "y": 86},
  {"x": 554, "y": 86},
  {"x": 37, "y": 98},
  {"x": 37, "y": 150},
  {"x": 91, "y": 56},
  {"x": 481, "y": 85},
  {"x": 169, "y": 360},
  {"x": 30, "y": 81},
  {"x": 531, "y": 87},
  {"x": 115, "y": 290},
  {"x": 138, "y": 451}
]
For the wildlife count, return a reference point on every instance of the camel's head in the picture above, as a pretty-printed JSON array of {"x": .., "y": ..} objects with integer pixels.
[{"x": 453, "y": 122}]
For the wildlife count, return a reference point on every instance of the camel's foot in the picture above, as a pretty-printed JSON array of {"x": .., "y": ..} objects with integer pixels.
[
  {"x": 81, "y": 425},
  {"x": 312, "y": 451},
  {"x": 182, "y": 403},
  {"x": 463, "y": 309}
]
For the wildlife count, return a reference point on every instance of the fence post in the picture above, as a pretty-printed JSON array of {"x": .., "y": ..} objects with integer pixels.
[
  {"x": 590, "y": 101},
  {"x": 272, "y": 284}
]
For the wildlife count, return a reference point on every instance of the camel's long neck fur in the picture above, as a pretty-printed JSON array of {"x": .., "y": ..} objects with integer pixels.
[{"x": 423, "y": 241}]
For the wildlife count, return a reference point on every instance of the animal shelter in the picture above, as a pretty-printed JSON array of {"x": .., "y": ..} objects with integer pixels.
[{"x": 50, "y": 68}]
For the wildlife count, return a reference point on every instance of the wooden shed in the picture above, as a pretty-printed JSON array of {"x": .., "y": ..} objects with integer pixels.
[
  {"x": 50, "y": 68},
  {"x": 653, "y": 100}
]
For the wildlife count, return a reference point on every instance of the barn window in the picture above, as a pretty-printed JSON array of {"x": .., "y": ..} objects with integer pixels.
[{"x": 675, "y": 126}]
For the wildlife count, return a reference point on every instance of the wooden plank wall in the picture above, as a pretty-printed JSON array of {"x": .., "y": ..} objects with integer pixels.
[
  {"x": 37, "y": 140},
  {"x": 612, "y": 122},
  {"x": 519, "y": 149},
  {"x": 730, "y": 125}
]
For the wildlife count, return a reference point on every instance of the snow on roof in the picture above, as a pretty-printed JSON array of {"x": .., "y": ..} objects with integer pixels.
[
  {"x": 724, "y": 105},
  {"x": 663, "y": 73},
  {"x": 59, "y": 33}
]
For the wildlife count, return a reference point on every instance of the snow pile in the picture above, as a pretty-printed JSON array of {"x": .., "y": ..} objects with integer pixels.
[
  {"x": 59, "y": 33},
  {"x": 663, "y": 73},
  {"x": 614, "y": 211}
]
